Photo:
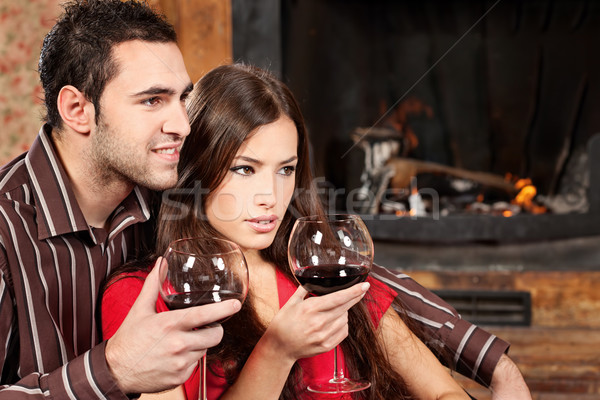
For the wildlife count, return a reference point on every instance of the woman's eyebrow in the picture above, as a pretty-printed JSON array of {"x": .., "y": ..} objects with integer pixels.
[
  {"x": 289, "y": 160},
  {"x": 255, "y": 161},
  {"x": 247, "y": 159}
]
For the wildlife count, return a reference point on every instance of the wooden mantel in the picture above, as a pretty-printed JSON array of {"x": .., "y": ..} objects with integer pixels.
[{"x": 204, "y": 32}]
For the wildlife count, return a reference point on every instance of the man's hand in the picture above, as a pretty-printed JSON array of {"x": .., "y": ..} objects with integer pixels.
[
  {"x": 507, "y": 381},
  {"x": 154, "y": 351}
]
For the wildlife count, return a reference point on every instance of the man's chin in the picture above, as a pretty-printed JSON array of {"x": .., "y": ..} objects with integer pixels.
[{"x": 157, "y": 183}]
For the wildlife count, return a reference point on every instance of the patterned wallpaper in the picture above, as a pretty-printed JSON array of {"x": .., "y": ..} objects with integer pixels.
[{"x": 23, "y": 24}]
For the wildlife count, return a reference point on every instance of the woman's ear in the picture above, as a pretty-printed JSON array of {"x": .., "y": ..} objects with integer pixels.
[{"x": 76, "y": 111}]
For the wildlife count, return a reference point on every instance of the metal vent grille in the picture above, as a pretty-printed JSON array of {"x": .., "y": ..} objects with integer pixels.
[{"x": 490, "y": 307}]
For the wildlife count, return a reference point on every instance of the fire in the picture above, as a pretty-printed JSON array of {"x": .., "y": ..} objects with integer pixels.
[{"x": 525, "y": 197}]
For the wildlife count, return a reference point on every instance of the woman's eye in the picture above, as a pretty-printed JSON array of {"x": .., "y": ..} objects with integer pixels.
[
  {"x": 289, "y": 170},
  {"x": 243, "y": 170}
]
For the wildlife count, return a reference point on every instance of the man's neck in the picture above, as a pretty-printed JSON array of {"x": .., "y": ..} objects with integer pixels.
[
  {"x": 97, "y": 201},
  {"x": 96, "y": 195}
]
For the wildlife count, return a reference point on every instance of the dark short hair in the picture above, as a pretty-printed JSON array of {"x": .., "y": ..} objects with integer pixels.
[{"x": 78, "y": 49}]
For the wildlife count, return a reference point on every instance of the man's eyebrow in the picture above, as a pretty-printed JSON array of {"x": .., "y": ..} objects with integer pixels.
[
  {"x": 188, "y": 89},
  {"x": 155, "y": 90}
]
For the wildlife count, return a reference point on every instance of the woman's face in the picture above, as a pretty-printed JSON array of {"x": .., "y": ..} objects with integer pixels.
[{"x": 250, "y": 203}]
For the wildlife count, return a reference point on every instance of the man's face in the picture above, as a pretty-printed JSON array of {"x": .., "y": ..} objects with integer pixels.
[{"x": 143, "y": 119}]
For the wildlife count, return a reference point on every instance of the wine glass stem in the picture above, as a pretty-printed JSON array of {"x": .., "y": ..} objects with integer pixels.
[
  {"x": 338, "y": 373},
  {"x": 202, "y": 365}
]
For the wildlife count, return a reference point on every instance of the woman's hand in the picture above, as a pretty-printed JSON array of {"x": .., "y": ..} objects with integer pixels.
[
  {"x": 307, "y": 326},
  {"x": 303, "y": 327}
]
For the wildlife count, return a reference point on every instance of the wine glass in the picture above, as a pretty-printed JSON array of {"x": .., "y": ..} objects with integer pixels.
[
  {"x": 329, "y": 253},
  {"x": 201, "y": 270}
]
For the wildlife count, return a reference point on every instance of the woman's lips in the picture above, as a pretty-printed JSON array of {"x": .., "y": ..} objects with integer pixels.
[{"x": 263, "y": 224}]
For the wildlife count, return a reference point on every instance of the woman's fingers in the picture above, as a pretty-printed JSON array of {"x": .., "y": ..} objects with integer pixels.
[{"x": 341, "y": 300}]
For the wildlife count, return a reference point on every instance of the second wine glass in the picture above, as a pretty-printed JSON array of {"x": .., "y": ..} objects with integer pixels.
[
  {"x": 198, "y": 271},
  {"x": 326, "y": 254}
]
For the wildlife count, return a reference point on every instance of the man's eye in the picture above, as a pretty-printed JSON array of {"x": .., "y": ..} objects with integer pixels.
[
  {"x": 151, "y": 101},
  {"x": 243, "y": 170}
]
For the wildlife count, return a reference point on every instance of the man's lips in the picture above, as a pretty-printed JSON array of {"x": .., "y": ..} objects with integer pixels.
[
  {"x": 169, "y": 153},
  {"x": 263, "y": 224}
]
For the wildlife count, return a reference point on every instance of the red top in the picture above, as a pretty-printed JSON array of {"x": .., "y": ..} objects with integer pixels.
[{"x": 121, "y": 295}]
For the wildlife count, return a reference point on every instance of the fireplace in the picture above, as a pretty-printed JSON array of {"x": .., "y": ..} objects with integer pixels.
[{"x": 507, "y": 88}]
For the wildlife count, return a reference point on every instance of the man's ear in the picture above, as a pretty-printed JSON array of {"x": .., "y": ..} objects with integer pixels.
[{"x": 76, "y": 111}]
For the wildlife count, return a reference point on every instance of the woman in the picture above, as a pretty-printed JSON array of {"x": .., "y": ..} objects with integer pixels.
[{"x": 249, "y": 150}]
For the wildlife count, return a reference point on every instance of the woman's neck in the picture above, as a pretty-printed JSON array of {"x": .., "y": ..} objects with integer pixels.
[
  {"x": 263, "y": 285},
  {"x": 262, "y": 272},
  {"x": 253, "y": 257}
]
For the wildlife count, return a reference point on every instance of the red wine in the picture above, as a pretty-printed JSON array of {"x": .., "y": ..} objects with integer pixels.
[
  {"x": 199, "y": 298},
  {"x": 328, "y": 278}
]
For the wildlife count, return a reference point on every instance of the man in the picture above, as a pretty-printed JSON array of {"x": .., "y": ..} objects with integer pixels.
[
  {"x": 79, "y": 203},
  {"x": 75, "y": 206},
  {"x": 474, "y": 353}
]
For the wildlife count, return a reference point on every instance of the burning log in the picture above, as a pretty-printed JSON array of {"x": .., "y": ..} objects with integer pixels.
[{"x": 406, "y": 168}]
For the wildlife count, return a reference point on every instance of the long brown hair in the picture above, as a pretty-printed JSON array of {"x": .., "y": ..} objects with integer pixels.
[{"x": 226, "y": 105}]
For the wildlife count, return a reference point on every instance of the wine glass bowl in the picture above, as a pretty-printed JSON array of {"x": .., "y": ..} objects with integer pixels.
[
  {"x": 198, "y": 271},
  {"x": 328, "y": 253}
]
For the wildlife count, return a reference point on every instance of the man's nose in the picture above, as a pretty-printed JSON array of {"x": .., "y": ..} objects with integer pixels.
[{"x": 178, "y": 122}]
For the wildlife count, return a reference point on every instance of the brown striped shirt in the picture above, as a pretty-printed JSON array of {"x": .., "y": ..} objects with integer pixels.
[
  {"x": 52, "y": 265},
  {"x": 475, "y": 352}
]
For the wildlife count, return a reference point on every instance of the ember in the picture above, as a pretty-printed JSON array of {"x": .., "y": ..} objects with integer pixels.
[
  {"x": 526, "y": 196},
  {"x": 391, "y": 177}
]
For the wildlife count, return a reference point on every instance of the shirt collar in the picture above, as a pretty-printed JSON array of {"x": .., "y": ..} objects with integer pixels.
[{"x": 58, "y": 210}]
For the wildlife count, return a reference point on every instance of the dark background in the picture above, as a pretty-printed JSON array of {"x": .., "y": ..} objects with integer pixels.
[{"x": 513, "y": 86}]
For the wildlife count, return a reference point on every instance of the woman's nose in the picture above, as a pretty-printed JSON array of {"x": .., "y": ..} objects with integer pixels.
[{"x": 266, "y": 193}]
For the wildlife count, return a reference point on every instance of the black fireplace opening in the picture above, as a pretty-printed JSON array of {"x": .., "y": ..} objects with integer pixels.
[{"x": 479, "y": 96}]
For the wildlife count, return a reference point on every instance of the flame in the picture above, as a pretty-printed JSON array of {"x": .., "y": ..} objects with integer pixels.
[
  {"x": 521, "y": 183},
  {"x": 507, "y": 213},
  {"x": 525, "y": 197}
]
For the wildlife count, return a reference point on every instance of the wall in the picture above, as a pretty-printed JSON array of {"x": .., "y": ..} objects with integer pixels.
[
  {"x": 203, "y": 27},
  {"x": 23, "y": 25},
  {"x": 204, "y": 32}
]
